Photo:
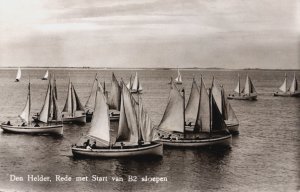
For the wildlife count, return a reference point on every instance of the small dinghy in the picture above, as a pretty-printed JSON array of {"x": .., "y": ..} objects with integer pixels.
[
  {"x": 134, "y": 136},
  {"x": 46, "y": 76},
  {"x": 209, "y": 127},
  {"x": 18, "y": 76},
  {"x": 35, "y": 127},
  {"x": 225, "y": 108},
  {"x": 293, "y": 91},
  {"x": 248, "y": 93},
  {"x": 73, "y": 111}
]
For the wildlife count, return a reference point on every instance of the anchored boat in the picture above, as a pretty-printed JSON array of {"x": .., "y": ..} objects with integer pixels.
[
  {"x": 225, "y": 108},
  {"x": 135, "y": 86},
  {"x": 135, "y": 133},
  {"x": 209, "y": 127},
  {"x": 248, "y": 93},
  {"x": 293, "y": 91},
  {"x": 73, "y": 111},
  {"x": 49, "y": 113}
]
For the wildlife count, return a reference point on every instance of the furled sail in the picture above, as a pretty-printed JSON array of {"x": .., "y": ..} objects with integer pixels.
[
  {"x": 203, "y": 119},
  {"x": 100, "y": 126},
  {"x": 283, "y": 87},
  {"x": 173, "y": 118},
  {"x": 18, "y": 77},
  {"x": 191, "y": 109},
  {"x": 249, "y": 88},
  {"x": 294, "y": 85},
  {"x": 238, "y": 86},
  {"x": 25, "y": 115},
  {"x": 115, "y": 94}
]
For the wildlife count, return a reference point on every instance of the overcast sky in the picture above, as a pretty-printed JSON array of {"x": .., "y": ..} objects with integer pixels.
[{"x": 150, "y": 33}]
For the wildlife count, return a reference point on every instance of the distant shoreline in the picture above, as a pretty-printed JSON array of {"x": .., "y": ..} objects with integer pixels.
[{"x": 150, "y": 68}]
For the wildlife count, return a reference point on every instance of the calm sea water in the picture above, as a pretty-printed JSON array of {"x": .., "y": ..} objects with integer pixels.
[{"x": 264, "y": 157}]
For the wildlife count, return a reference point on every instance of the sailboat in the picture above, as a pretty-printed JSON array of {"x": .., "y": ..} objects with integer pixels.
[
  {"x": 134, "y": 136},
  {"x": 115, "y": 99},
  {"x": 46, "y": 75},
  {"x": 248, "y": 93},
  {"x": 293, "y": 91},
  {"x": 129, "y": 84},
  {"x": 209, "y": 126},
  {"x": 49, "y": 113},
  {"x": 73, "y": 111},
  {"x": 136, "y": 85},
  {"x": 178, "y": 79},
  {"x": 225, "y": 108},
  {"x": 18, "y": 77}
]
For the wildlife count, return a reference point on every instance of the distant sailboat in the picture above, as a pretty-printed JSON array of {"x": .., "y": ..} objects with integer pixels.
[
  {"x": 46, "y": 76},
  {"x": 209, "y": 126},
  {"x": 293, "y": 91},
  {"x": 225, "y": 108},
  {"x": 248, "y": 93},
  {"x": 134, "y": 136},
  {"x": 73, "y": 111},
  {"x": 178, "y": 79},
  {"x": 48, "y": 114},
  {"x": 19, "y": 74},
  {"x": 136, "y": 85}
]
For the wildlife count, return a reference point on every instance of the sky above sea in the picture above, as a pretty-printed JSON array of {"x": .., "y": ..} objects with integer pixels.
[{"x": 150, "y": 33}]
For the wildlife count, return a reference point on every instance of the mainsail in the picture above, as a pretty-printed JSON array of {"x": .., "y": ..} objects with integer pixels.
[
  {"x": 46, "y": 75},
  {"x": 178, "y": 79},
  {"x": 129, "y": 84},
  {"x": 294, "y": 85},
  {"x": 191, "y": 109},
  {"x": 25, "y": 115},
  {"x": 72, "y": 103},
  {"x": 238, "y": 86},
  {"x": 145, "y": 123},
  {"x": 283, "y": 87},
  {"x": 136, "y": 86},
  {"x": 203, "y": 118},
  {"x": 249, "y": 88},
  {"x": 100, "y": 126},
  {"x": 217, "y": 121},
  {"x": 90, "y": 103},
  {"x": 115, "y": 94},
  {"x": 18, "y": 77},
  {"x": 173, "y": 118}
]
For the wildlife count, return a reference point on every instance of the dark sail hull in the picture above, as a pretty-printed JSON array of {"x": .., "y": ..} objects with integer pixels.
[{"x": 243, "y": 97}]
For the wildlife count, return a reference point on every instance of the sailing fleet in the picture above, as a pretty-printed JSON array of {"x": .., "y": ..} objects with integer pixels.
[{"x": 207, "y": 119}]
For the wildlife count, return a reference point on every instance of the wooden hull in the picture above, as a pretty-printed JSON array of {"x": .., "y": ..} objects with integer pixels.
[
  {"x": 287, "y": 94},
  {"x": 44, "y": 78},
  {"x": 233, "y": 128},
  {"x": 154, "y": 149},
  {"x": 78, "y": 119},
  {"x": 48, "y": 129},
  {"x": 89, "y": 117},
  {"x": 134, "y": 91},
  {"x": 243, "y": 97},
  {"x": 224, "y": 140}
]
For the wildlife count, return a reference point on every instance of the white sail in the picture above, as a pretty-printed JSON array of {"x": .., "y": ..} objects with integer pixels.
[
  {"x": 46, "y": 75},
  {"x": 217, "y": 94},
  {"x": 146, "y": 125},
  {"x": 249, "y": 88},
  {"x": 203, "y": 118},
  {"x": 191, "y": 109},
  {"x": 283, "y": 87},
  {"x": 130, "y": 107},
  {"x": 129, "y": 84},
  {"x": 73, "y": 103},
  {"x": 19, "y": 74},
  {"x": 90, "y": 103},
  {"x": 294, "y": 85},
  {"x": 68, "y": 104},
  {"x": 100, "y": 126},
  {"x": 123, "y": 134},
  {"x": 173, "y": 118},
  {"x": 136, "y": 85},
  {"x": 115, "y": 94},
  {"x": 178, "y": 79},
  {"x": 25, "y": 115},
  {"x": 238, "y": 86},
  {"x": 44, "y": 114}
]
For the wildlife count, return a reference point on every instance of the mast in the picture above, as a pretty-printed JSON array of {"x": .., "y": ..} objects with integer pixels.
[
  {"x": 210, "y": 111},
  {"x": 183, "y": 95}
]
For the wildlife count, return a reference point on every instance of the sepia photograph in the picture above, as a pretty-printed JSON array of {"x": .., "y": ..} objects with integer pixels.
[{"x": 149, "y": 95}]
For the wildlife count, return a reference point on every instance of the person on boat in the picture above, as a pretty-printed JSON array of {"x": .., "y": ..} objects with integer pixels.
[
  {"x": 87, "y": 143},
  {"x": 8, "y": 123},
  {"x": 94, "y": 145},
  {"x": 122, "y": 144},
  {"x": 36, "y": 125},
  {"x": 23, "y": 125}
]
